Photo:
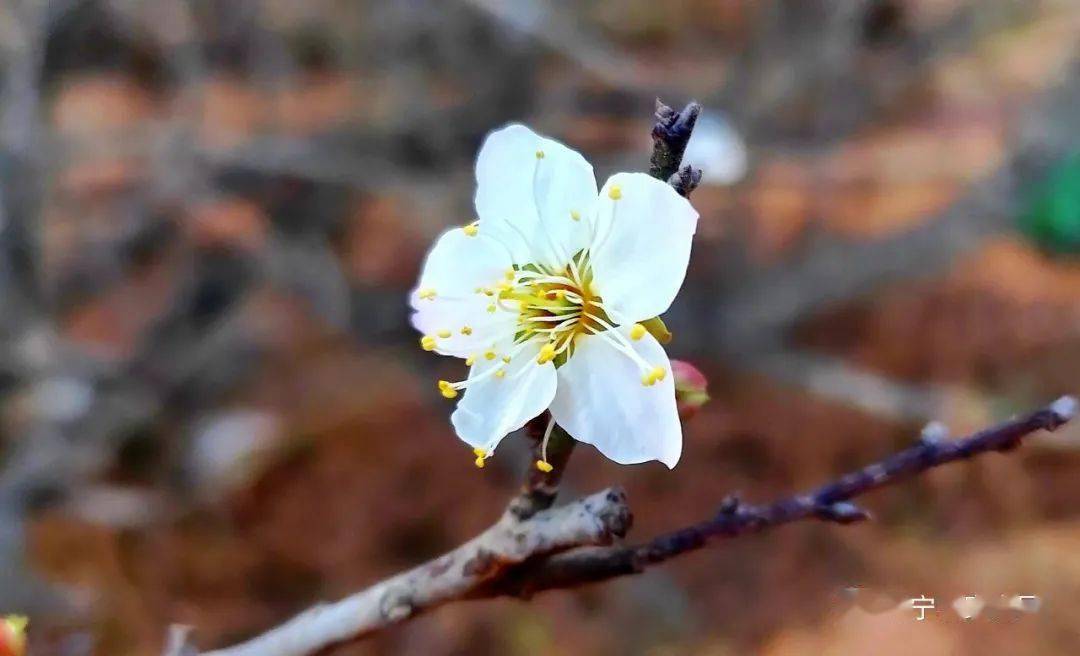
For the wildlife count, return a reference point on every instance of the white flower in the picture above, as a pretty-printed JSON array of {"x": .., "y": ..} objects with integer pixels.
[{"x": 544, "y": 297}]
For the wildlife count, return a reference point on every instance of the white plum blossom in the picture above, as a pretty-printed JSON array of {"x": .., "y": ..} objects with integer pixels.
[{"x": 544, "y": 296}]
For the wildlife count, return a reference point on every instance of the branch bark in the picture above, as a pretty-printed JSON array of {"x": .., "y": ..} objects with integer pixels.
[
  {"x": 594, "y": 520},
  {"x": 670, "y": 134},
  {"x": 567, "y": 547},
  {"x": 830, "y": 502}
]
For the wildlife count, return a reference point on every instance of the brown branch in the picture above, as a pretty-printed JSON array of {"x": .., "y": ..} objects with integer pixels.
[
  {"x": 830, "y": 502},
  {"x": 594, "y": 520}
]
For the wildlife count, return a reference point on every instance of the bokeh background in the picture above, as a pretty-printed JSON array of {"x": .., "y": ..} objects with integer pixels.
[{"x": 213, "y": 410}]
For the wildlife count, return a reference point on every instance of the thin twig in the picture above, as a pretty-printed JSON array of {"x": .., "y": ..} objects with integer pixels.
[{"x": 830, "y": 502}]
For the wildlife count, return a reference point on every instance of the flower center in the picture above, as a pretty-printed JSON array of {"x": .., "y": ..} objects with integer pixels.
[{"x": 557, "y": 306}]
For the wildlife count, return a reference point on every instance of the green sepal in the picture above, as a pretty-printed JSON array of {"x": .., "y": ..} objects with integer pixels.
[{"x": 657, "y": 329}]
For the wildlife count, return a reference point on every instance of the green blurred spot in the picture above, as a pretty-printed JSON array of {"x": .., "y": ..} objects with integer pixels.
[
  {"x": 657, "y": 329},
  {"x": 1052, "y": 219}
]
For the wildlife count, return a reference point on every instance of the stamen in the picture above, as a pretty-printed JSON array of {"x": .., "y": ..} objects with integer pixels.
[
  {"x": 427, "y": 294},
  {"x": 542, "y": 464},
  {"x": 572, "y": 297},
  {"x": 615, "y": 192},
  {"x": 575, "y": 215},
  {"x": 471, "y": 229},
  {"x": 564, "y": 320},
  {"x": 478, "y": 374},
  {"x": 447, "y": 389},
  {"x": 506, "y": 359},
  {"x": 466, "y": 330},
  {"x": 479, "y": 462},
  {"x": 616, "y": 339},
  {"x": 655, "y": 374},
  {"x": 547, "y": 354},
  {"x": 637, "y": 332},
  {"x": 491, "y": 308},
  {"x": 556, "y": 248},
  {"x": 444, "y": 333},
  {"x": 427, "y": 342}
]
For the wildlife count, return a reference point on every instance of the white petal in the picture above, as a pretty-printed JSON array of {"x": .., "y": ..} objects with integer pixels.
[
  {"x": 530, "y": 201},
  {"x": 464, "y": 327},
  {"x": 601, "y": 401},
  {"x": 446, "y": 301},
  {"x": 642, "y": 246},
  {"x": 493, "y": 407},
  {"x": 458, "y": 263}
]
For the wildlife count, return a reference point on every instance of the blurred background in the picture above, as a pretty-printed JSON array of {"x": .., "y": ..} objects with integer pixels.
[{"x": 213, "y": 410}]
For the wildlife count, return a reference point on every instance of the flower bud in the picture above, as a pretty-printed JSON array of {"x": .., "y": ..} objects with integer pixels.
[
  {"x": 690, "y": 388},
  {"x": 13, "y": 635}
]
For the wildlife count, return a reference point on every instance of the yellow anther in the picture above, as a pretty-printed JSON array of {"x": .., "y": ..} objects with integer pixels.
[
  {"x": 479, "y": 452},
  {"x": 479, "y": 462},
  {"x": 488, "y": 291},
  {"x": 471, "y": 230},
  {"x": 539, "y": 154},
  {"x": 506, "y": 359},
  {"x": 510, "y": 273},
  {"x": 444, "y": 333},
  {"x": 427, "y": 294},
  {"x": 504, "y": 286},
  {"x": 501, "y": 373},
  {"x": 547, "y": 354},
  {"x": 489, "y": 354},
  {"x": 466, "y": 330},
  {"x": 447, "y": 389},
  {"x": 470, "y": 360},
  {"x": 491, "y": 308},
  {"x": 655, "y": 374},
  {"x": 427, "y": 342},
  {"x": 615, "y": 192},
  {"x": 575, "y": 215},
  {"x": 544, "y": 466},
  {"x": 637, "y": 332}
]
